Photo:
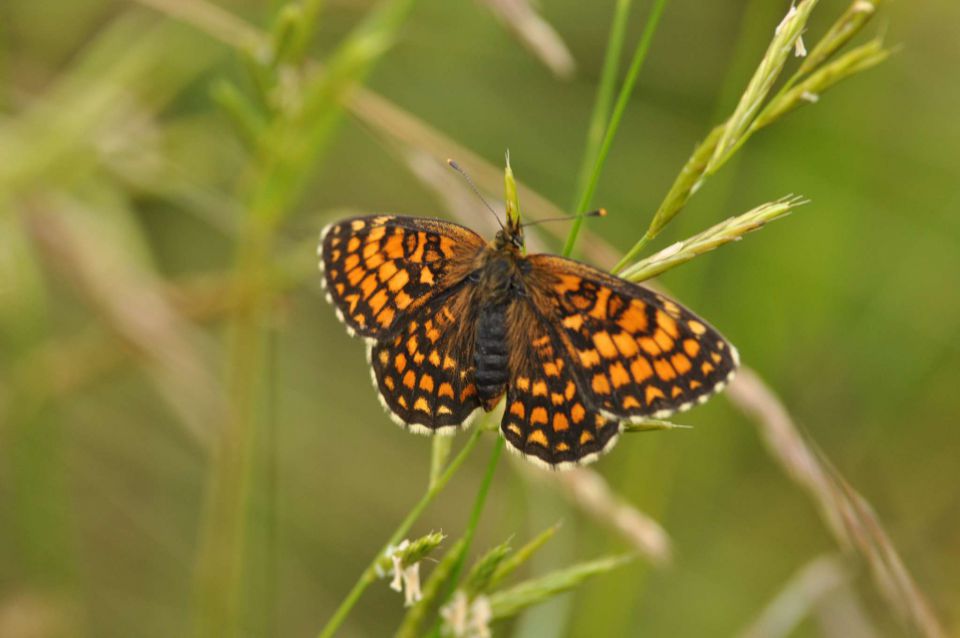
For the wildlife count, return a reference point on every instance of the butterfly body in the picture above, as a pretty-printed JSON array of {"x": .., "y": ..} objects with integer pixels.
[{"x": 454, "y": 323}]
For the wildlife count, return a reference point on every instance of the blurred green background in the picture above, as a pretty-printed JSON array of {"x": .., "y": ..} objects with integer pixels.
[{"x": 122, "y": 188}]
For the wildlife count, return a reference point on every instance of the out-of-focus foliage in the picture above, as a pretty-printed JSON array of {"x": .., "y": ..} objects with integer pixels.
[{"x": 128, "y": 149}]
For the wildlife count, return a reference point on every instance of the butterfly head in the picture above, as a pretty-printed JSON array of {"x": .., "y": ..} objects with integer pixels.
[{"x": 510, "y": 237}]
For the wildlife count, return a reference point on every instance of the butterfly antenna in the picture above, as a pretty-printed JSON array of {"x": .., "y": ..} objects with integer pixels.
[
  {"x": 476, "y": 190},
  {"x": 600, "y": 212}
]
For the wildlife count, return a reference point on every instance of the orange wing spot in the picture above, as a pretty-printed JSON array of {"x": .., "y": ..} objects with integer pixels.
[
  {"x": 697, "y": 327},
  {"x": 468, "y": 391},
  {"x": 538, "y": 416},
  {"x": 398, "y": 281},
  {"x": 670, "y": 307},
  {"x": 433, "y": 334},
  {"x": 663, "y": 340},
  {"x": 434, "y": 358},
  {"x": 634, "y": 319},
  {"x": 402, "y": 300},
  {"x": 446, "y": 390},
  {"x": 351, "y": 262},
  {"x": 368, "y": 285},
  {"x": 557, "y": 399},
  {"x": 517, "y": 409},
  {"x": 668, "y": 324},
  {"x": 551, "y": 370},
  {"x": 585, "y": 437},
  {"x": 539, "y": 389},
  {"x": 650, "y": 346},
  {"x": 675, "y": 392},
  {"x": 376, "y": 234},
  {"x": 417, "y": 255},
  {"x": 412, "y": 345},
  {"x": 426, "y": 276},
  {"x": 340, "y": 288},
  {"x": 716, "y": 357},
  {"x": 707, "y": 368},
  {"x": 335, "y": 255},
  {"x": 354, "y": 276},
  {"x": 448, "y": 363},
  {"x": 402, "y": 400},
  {"x": 573, "y": 322},
  {"x": 444, "y": 410},
  {"x": 691, "y": 347},
  {"x": 410, "y": 379},
  {"x": 664, "y": 370},
  {"x": 570, "y": 390},
  {"x": 378, "y": 301},
  {"x": 630, "y": 403},
  {"x": 358, "y": 224},
  {"x": 681, "y": 363},
  {"x": 426, "y": 383},
  {"x": 626, "y": 344},
  {"x": 539, "y": 342},
  {"x": 538, "y": 437},
  {"x": 653, "y": 393},
  {"x": 641, "y": 370},
  {"x": 599, "y": 310},
  {"x": 422, "y": 405},
  {"x": 374, "y": 261},
  {"x": 695, "y": 384},
  {"x": 400, "y": 362},
  {"x": 568, "y": 283},
  {"x": 523, "y": 383},
  {"x": 386, "y": 271},
  {"x": 604, "y": 345},
  {"x": 560, "y": 422},
  {"x": 393, "y": 247},
  {"x": 353, "y": 244},
  {"x": 600, "y": 384},
  {"x": 370, "y": 249},
  {"x": 360, "y": 319},
  {"x": 577, "y": 413},
  {"x": 388, "y": 381},
  {"x": 562, "y": 447},
  {"x": 418, "y": 358},
  {"x": 580, "y": 302},
  {"x": 618, "y": 374},
  {"x": 589, "y": 358},
  {"x": 513, "y": 427},
  {"x": 384, "y": 356}
]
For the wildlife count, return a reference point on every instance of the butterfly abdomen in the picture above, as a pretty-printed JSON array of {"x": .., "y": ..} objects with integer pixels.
[{"x": 490, "y": 353}]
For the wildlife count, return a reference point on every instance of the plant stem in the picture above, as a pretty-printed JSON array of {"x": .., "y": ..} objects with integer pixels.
[
  {"x": 639, "y": 55},
  {"x": 369, "y": 575}
]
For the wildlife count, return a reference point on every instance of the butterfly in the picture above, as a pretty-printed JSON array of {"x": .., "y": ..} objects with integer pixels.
[{"x": 453, "y": 322}]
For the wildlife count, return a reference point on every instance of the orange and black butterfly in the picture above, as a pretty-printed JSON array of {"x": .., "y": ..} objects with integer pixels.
[{"x": 453, "y": 322}]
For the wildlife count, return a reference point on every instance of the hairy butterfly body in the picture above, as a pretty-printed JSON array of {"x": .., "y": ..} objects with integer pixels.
[{"x": 453, "y": 323}]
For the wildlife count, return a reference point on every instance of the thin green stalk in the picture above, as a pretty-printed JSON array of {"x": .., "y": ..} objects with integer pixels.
[
  {"x": 639, "y": 55},
  {"x": 472, "y": 525},
  {"x": 369, "y": 575},
  {"x": 601, "y": 107}
]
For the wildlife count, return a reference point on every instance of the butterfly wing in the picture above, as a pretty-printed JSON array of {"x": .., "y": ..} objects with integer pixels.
[
  {"x": 377, "y": 268},
  {"x": 636, "y": 354},
  {"x": 423, "y": 370},
  {"x": 547, "y": 418}
]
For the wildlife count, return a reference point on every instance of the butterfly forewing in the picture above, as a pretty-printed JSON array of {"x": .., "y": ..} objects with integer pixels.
[
  {"x": 637, "y": 354},
  {"x": 378, "y": 268}
]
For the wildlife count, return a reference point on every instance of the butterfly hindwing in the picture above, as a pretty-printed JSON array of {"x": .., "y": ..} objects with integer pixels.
[
  {"x": 377, "y": 268},
  {"x": 637, "y": 353},
  {"x": 423, "y": 370},
  {"x": 546, "y": 416}
]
